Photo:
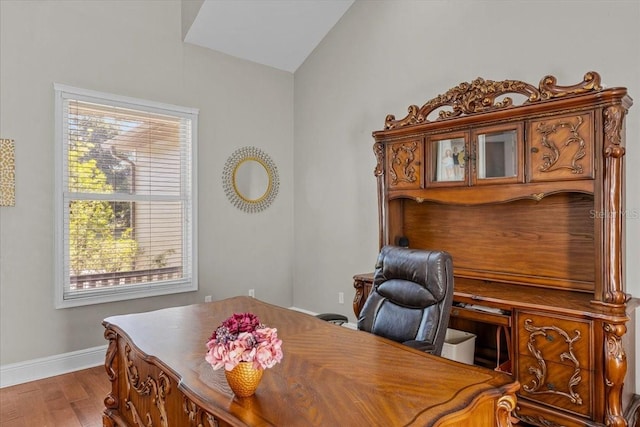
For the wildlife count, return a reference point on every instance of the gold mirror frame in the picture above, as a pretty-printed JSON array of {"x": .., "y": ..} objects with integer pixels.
[{"x": 235, "y": 196}]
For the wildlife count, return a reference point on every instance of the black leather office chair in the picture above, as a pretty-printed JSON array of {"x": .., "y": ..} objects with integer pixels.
[{"x": 411, "y": 297}]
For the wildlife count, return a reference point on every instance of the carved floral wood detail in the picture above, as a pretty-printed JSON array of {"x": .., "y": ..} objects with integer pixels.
[
  {"x": 402, "y": 162},
  {"x": 552, "y": 155},
  {"x": 360, "y": 295},
  {"x": 198, "y": 417},
  {"x": 481, "y": 95},
  {"x": 378, "y": 150},
  {"x": 614, "y": 369},
  {"x": 504, "y": 411},
  {"x": 110, "y": 365},
  {"x": 613, "y": 154},
  {"x": 550, "y": 89},
  {"x": 156, "y": 389},
  {"x": 613, "y": 131},
  {"x": 540, "y": 372}
]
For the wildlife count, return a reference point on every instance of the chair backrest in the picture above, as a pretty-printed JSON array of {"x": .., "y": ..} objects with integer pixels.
[{"x": 411, "y": 297}]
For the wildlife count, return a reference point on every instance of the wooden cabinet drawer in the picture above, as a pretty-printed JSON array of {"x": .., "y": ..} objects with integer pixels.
[
  {"x": 561, "y": 148},
  {"x": 554, "y": 363},
  {"x": 555, "y": 384},
  {"x": 555, "y": 339}
]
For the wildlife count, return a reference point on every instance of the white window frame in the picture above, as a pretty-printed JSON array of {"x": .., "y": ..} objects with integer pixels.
[{"x": 110, "y": 294}]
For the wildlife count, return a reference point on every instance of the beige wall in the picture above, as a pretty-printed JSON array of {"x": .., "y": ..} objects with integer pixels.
[
  {"x": 133, "y": 48},
  {"x": 385, "y": 55}
]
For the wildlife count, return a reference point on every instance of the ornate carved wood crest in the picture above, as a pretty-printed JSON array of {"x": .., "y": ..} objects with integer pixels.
[{"x": 481, "y": 95}]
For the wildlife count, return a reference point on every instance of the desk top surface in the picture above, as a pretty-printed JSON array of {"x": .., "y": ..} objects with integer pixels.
[{"x": 329, "y": 375}]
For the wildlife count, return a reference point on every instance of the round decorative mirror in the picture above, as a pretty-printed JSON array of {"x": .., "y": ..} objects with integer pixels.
[{"x": 250, "y": 179}]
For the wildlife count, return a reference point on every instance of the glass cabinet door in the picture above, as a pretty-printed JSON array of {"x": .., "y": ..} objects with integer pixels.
[
  {"x": 489, "y": 155},
  {"x": 497, "y": 154},
  {"x": 448, "y": 159}
]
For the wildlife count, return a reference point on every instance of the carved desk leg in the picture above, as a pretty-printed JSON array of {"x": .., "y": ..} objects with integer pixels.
[{"x": 111, "y": 366}]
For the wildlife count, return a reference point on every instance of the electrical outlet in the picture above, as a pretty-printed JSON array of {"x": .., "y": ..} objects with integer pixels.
[
  {"x": 252, "y": 293},
  {"x": 341, "y": 297},
  {"x": 207, "y": 298}
]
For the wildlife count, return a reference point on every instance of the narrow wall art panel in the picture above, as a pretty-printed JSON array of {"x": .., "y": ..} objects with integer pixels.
[{"x": 7, "y": 173}]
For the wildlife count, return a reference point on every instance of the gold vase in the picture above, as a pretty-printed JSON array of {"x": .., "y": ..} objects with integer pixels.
[{"x": 244, "y": 379}]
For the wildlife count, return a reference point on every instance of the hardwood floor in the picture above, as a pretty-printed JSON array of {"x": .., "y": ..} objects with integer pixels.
[{"x": 69, "y": 400}]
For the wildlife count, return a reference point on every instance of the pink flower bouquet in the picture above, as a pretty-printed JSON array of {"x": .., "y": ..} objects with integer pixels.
[{"x": 242, "y": 338}]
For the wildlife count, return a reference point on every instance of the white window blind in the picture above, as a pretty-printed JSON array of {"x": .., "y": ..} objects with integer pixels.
[{"x": 125, "y": 205}]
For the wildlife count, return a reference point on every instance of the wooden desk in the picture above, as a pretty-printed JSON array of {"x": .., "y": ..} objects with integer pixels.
[{"x": 329, "y": 376}]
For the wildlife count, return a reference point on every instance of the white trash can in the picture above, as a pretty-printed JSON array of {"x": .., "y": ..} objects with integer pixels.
[{"x": 459, "y": 346}]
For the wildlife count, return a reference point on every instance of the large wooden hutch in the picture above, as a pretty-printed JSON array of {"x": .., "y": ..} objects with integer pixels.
[{"x": 528, "y": 197}]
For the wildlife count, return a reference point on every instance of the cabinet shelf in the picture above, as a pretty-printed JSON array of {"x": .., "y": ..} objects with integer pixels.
[{"x": 488, "y": 194}]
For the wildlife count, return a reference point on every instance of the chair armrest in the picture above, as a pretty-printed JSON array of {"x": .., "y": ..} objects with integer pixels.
[{"x": 421, "y": 345}]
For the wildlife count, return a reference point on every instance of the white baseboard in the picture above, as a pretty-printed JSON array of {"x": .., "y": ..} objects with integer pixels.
[
  {"x": 45, "y": 367},
  {"x": 303, "y": 310}
]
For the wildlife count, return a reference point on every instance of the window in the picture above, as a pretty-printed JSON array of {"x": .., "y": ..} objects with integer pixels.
[{"x": 125, "y": 198}]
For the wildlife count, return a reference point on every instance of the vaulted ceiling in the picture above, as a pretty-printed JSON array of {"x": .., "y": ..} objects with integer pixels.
[{"x": 277, "y": 33}]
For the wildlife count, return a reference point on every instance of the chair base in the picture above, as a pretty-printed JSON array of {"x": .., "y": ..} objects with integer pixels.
[{"x": 338, "y": 319}]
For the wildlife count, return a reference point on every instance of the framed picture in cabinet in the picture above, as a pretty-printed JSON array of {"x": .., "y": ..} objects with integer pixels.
[{"x": 449, "y": 160}]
